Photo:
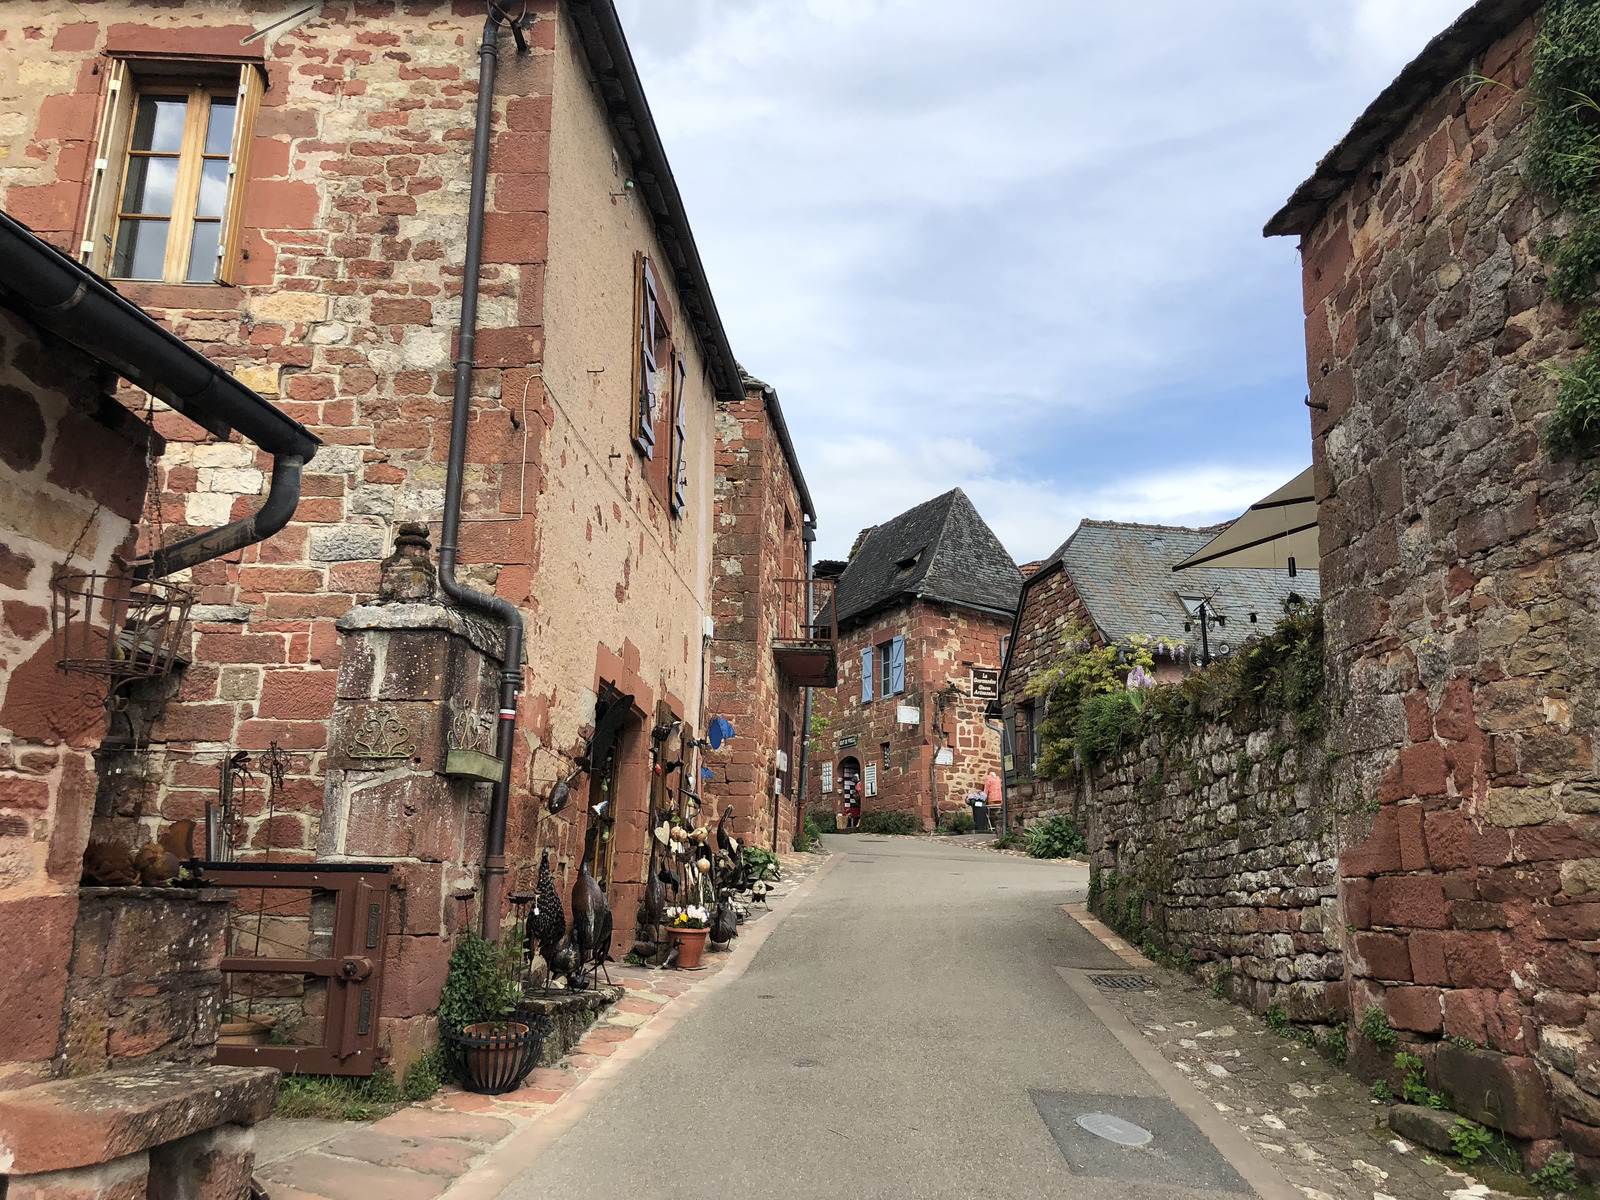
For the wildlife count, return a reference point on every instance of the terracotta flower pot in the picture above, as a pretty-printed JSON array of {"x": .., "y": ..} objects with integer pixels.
[{"x": 691, "y": 942}]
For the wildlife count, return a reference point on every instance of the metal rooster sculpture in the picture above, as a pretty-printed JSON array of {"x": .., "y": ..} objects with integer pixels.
[
  {"x": 591, "y": 927},
  {"x": 547, "y": 923}
]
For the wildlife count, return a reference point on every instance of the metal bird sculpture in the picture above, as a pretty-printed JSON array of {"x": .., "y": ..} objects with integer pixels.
[
  {"x": 725, "y": 925},
  {"x": 547, "y": 922},
  {"x": 591, "y": 925},
  {"x": 725, "y": 840}
]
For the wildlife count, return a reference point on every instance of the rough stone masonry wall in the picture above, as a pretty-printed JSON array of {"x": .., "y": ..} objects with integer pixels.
[
  {"x": 343, "y": 317},
  {"x": 1459, "y": 565},
  {"x": 1220, "y": 849},
  {"x": 754, "y": 546},
  {"x": 73, "y": 467}
]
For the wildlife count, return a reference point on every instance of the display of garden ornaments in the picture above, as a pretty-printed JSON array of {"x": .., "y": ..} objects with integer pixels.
[
  {"x": 687, "y": 929},
  {"x": 494, "y": 1045}
]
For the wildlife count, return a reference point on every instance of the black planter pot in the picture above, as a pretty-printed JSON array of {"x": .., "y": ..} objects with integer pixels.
[{"x": 494, "y": 1063}]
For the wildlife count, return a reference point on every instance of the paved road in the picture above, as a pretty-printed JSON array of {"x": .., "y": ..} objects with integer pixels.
[{"x": 883, "y": 1043}]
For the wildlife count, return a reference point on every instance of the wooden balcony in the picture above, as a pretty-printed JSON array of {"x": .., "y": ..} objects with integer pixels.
[{"x": 805, "y": 642}]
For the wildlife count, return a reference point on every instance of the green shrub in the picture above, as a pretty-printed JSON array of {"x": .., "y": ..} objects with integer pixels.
[
  {"x": 1376, "y": 1029},
  {"x": 424, "y": 1077},
  {"x": 1557, "y": 1175},
  {"x": 960, "y": 822},
  {"x": 815, "y": 824},
  {"x": 1380, "y": 1090},
  {"x": 1469, "y": 1140},
  {"x": 1010, "y": 841},
  {"x": 1278, "y": 1020},
  {"x": 483, "y": 982},
  {"x": 1219, "y": 985},
  {"x": 1414, "y": 1087},
  {"x": 1054, "y": 837},
  {"x": 762, "y": 864},
  {"x": 1336, "y": 1045},
  {"x": 889, "y": 822}
]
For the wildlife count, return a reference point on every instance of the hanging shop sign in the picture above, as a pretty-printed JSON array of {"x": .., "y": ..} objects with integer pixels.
[{"x": 985, "y": 684}]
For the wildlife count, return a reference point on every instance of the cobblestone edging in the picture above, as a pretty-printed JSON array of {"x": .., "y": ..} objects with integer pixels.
[{"x": 431, "y": 1147}]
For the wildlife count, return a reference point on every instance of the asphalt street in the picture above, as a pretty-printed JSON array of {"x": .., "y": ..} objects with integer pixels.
[{"x": 904, "y": 1033}]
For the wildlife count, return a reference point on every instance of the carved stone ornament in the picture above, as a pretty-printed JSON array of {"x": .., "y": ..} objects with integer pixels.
[
  {"x": 409, "y": 573},
  {"x": 382, "y": 736}
]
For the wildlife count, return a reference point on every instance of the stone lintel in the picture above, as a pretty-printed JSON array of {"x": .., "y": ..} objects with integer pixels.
[
  {"x": 484, "y": 635},
  {"x": 81, "y": 1122}
]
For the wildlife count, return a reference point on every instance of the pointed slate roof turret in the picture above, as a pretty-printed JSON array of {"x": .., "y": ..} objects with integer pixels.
[{"x": 939, "y": 550}]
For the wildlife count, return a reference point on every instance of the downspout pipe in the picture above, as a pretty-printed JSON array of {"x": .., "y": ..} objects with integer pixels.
[
  {"x": 53, "y": 292},
  {"x": 502, "y": 610}
]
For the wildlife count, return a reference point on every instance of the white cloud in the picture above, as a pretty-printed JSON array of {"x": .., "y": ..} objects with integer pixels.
[{"x": 1017, "y": 246}]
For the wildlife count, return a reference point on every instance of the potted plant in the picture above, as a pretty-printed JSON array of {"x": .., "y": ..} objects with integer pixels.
[
  {"x": 688, "y": 927},
  {"x": 481, "y": 992}
]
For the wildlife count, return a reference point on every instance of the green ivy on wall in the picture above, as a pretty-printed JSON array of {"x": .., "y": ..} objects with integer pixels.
[{"x": 1563, "y": 164}]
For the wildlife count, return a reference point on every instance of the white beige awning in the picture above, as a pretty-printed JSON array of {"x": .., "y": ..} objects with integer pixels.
[{"x": 1279, "y": 531}]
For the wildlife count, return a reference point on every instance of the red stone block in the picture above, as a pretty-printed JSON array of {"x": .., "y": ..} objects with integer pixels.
[
  {"x": 1563, "y": 966},
  {"x": 286, "y": 204},
  {"x": 514, "y": 237},
  {"x": 1415, "y": 1008},
  {"x": 66, "y": 115},
  {"x": 1422, "y": 769},
  {"x": 1448, "y": 844},
  {"x": 1455, "y": 721},
  {"x": 1476, "y": 960},
  {"x": 79, "y": 35},
  {"x": 1413, "y": 849},
  {"x": 1380, "y": 852},
  {"x": 298, "y": 695},
  {"x": 1428, "y": 957},
  {"x": 1409, "y": 901},
  {"x": 36, "y": 940},
  {"x": 239, "y": 648},
  {"x": 18, "y": 792},
  {"x": 1419, "y": 717}
]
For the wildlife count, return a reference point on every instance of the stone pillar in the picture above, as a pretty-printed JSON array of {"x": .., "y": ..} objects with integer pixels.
[{"x": 415, "y": 714}]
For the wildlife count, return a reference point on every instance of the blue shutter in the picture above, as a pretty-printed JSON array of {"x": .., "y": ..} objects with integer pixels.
[
  {"x": 866, "y": 675},
  {"x": 897, "y": 665}
]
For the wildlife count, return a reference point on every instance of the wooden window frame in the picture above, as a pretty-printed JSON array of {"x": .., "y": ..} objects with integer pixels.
[
  {"x": 659, "y": 423},
  {"x": 201, "y": 81}
]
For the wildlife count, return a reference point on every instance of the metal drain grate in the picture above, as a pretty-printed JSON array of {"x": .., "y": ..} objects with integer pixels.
[{"x": 1125, "y": 982}]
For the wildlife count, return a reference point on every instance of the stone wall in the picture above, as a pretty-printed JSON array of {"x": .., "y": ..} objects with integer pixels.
[
  {"x": 758, "y": 522},
  {"x": 1219, "y": 848},
  {"x": 1459, "y": 561},
  {"x": 73, "y": 468},
  {"x": 145, "y": 983},
  {"x": 943, "y": 643}
]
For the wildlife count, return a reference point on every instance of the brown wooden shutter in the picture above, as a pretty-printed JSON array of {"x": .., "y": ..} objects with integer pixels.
[
  {"x": 644, "y": 432},
  {"x": 680, "y": 436},
  {"x": 251, "y": 86},
  {"x": 110, "y": 159}
]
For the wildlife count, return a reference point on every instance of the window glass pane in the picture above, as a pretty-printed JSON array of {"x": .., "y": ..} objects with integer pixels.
[
  {"x": 213, "y": 187},
  {"x": 158, "y": 124},
  {"x": 150, "y": 185},
  {"x": 141, "y": 250},
  {"x": 203, "y": 252},
  {"x": 219, "y": 127}
]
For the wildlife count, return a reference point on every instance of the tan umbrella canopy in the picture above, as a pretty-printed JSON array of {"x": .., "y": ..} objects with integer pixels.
[{"x": 1279, "y": 531}]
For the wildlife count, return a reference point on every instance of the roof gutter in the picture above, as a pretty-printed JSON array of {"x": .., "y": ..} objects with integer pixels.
[
  {"x": 52, "y": 291},
  {"x": 606, "y": 47},
  {"x": 769, "y": 396}
]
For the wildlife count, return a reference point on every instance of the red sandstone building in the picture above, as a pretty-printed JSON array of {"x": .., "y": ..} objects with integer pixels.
[
  {"x": 923, "y": 605},
  {"x": 289, "y": 190},
  {"x": 1113, "y": 582},
  {"x": 766, "y": 654}
]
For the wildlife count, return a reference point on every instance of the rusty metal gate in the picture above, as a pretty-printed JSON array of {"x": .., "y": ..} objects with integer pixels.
[{"x": 303, "y": 964}]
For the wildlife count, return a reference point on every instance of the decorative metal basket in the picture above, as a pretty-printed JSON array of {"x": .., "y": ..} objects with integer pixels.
[
  {"x": 116, "y": 627},
  {"x": 492, "y": 1064}
]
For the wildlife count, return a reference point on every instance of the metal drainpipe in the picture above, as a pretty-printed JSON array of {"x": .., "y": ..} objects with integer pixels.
[
  {"x": 808, "y": 535},
  {"x": 506, "y": 612},
  {"x": 988, "y": 724}
]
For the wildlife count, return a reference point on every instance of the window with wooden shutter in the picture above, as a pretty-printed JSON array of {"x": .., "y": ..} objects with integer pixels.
[
  {"x": 167, "y": 193},
  {"x": 644, "y": 357},
  {"x": 897, "y": 665},
  {"x": 680, "y": 437},
  {"x": 866, "y": 674}
]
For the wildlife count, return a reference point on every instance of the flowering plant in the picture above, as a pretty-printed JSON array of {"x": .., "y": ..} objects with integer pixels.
[{"x": 692, "y": 917}]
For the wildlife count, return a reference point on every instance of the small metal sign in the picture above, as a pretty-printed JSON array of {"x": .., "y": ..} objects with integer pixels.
[
  {"x": 944, "y": 757},
  {"x": 845, "y": 743},
  {"x": 906, "y": 714},
  {"x": 985, "y": 683}
]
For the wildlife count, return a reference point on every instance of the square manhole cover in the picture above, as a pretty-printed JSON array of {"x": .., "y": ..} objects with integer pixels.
[
  {"x": 1132, "y": 983},
  {"x": 1134, "y": 1140}
]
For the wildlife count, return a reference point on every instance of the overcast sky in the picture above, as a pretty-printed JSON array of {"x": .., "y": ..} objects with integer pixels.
[{"x": 1016, "y": 246}]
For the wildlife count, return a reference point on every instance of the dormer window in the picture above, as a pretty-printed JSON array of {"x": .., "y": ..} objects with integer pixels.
[{"x": 903, "y": 566}]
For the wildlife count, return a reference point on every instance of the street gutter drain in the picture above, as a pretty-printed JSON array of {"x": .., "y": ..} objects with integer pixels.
[
  {"x": 1125, "y": 982},
  {"x": 1115, "y": 1129}
]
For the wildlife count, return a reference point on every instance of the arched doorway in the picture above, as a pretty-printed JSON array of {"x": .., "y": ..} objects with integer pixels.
[{"x": 850, "y": 789}]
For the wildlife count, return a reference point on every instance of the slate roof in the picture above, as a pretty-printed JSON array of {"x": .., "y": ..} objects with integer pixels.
[
  {"x": 939, "y": 550},
  {"x": 1123, "y": 574}
]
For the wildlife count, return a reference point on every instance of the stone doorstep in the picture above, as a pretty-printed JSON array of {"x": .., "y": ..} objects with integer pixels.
[{"x": 81, "y": 1122}]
